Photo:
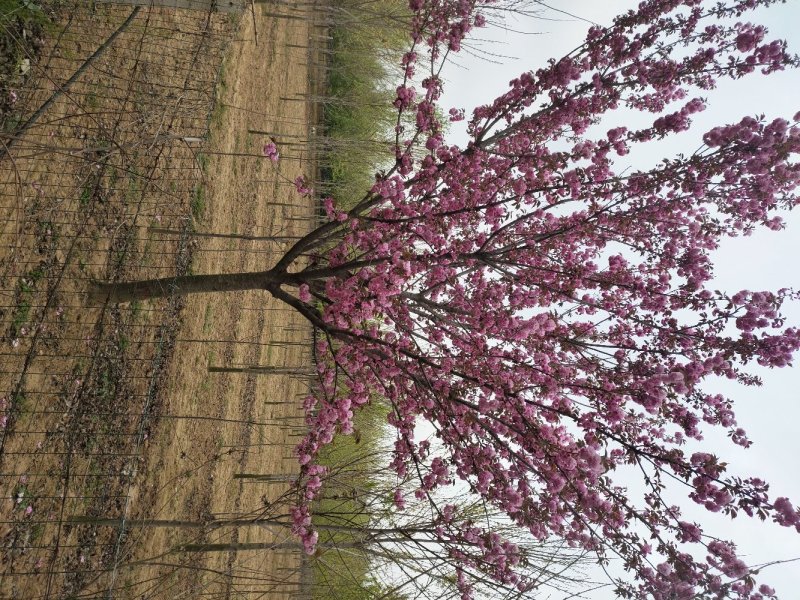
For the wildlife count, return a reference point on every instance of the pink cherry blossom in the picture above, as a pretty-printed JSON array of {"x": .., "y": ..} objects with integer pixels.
[{"x": 270, "y": 150}]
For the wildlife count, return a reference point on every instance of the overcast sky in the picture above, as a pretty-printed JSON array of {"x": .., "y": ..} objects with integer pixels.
[{"x": 764, "y": 261}]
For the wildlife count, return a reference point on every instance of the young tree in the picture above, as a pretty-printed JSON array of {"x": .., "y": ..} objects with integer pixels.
[{"x": 547, "y": 315}]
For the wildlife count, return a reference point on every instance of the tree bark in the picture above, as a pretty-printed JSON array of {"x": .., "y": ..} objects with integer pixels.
[{"x": 119, "y": 292}]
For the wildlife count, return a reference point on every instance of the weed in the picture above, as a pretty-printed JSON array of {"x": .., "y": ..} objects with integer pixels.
[
  {"x": 92, "y": 101},
  {"x": 202, "y": 160},
  {"x": 19, "y": 405},
  {"x": 86, "y": 195},
  {"x": 95, "y": 481},
  {"x": 113, "y": 175},
  {"x": 123, "y": 343},
  {"x": 37, "y": 530},
  {"x": 22, "y": 27},
  {"x": 47, "y": 232},
  {"x": 27, "y": 10},
  {"x": 218, "y": 114},
  {"x": 207, "y": 318},
  {"x": 21, "y": 496},
  {"x": 26, "y": 287},
  {"x": 133, "y": 193},
  {"x": 21, "y": 315},
  {"x": 136, "y": 309},
  {"x": 198, "y": 205},
  {"x": 221, "y": 81},
  {"x": 106, "y": 385}
]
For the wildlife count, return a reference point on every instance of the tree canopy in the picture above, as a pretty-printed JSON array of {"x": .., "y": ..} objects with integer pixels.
[{"x": 549, "y": 315}]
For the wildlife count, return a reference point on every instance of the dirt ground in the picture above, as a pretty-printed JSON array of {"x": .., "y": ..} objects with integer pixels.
[
  {"x": 191, "y": 465},
  {"x": 121, "y": 454}
]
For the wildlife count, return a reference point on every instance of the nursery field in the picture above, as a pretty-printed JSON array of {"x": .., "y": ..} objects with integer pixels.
[{"x": 139, "y": 441}]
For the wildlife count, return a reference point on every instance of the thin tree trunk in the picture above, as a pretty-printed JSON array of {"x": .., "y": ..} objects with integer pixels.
[
  {"x": 119, "y": 292},
  {"x": 262, "y": 370},
  {"x": 245, "y": 546},
  {"x": 231, "y": 236}
]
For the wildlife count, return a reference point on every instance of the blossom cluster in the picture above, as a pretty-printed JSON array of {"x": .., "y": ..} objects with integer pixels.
[{"x": 270, "y": 150}]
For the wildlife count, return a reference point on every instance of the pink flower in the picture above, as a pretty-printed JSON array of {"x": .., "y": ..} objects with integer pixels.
[
  {"x": 270, "y": 150},
  {"x": 310, "y": 542},
  {"x": 301, "y": 186}
]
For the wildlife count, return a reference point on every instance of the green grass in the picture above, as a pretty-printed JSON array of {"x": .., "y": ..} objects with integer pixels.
[
  {"x": 360, "y": 117},
  {"x": 86, "y": 195},
  {"x": 346, "y": 573},
  {"x": 107, "y": 385},
  {"x": 134, "y": 191},
  {"x": 19, "y": 404},
  {"x": 207, "y": 318},
  {"x": 26, "y": 287},
  {"x": 198, "y": 203},
  {"x": 202, "y": 160},
  {"x": 21, "y": 315},
  {"x": 123, "y": 343},
  {"x": 21, "y": 497},
  {"x": 27, "y": 10},
  {"x": 136, "y": 309}
]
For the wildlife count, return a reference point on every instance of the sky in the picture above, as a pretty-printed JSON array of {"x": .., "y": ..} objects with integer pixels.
[{"x": 764, "y": 261}]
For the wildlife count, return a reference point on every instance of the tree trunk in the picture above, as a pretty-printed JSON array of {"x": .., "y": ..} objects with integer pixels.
[
  {"x": 262, "y": 370},
  {"x": 119, "y": 292},
  {"x": 232, "y": 236}
]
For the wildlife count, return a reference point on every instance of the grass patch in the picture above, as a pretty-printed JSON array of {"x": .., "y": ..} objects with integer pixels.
[
  {"x": 346, "y": 573},
  {"x": 135, "y": 308},
  {"x": 134, "y": 190},
  {"x": 26, "y": 287},
  {"x": 198, "y": 203},
  {"x": 21, "y": 497},
  {"x": 207, "y": 318},
  {"x": 202, "y": 161},
  {"x": 86, "y": 195},
  {"x": 363, "y": 78},
  {"x": 19, "y": 405}
]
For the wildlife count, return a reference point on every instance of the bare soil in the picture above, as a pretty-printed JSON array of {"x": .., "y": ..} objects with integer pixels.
[
  {"x": 191, "y": 465},
  {"x": 118, "y": 446}
]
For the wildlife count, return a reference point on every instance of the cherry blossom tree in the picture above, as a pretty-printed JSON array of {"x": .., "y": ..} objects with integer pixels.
[{"x": 548, "y": 315}]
